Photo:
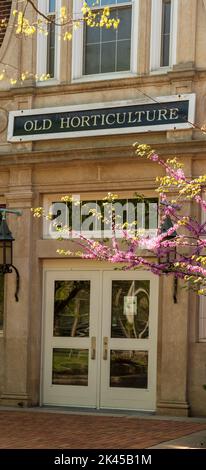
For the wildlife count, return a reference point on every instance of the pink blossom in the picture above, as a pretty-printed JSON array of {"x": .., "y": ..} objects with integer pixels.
[{"x": 154, "y": 157}]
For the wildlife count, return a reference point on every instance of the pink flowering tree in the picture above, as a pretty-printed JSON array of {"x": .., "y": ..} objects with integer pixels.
[{"x": 177, "y": 249}]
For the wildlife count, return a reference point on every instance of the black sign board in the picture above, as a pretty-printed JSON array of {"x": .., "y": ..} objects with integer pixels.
[{"x": 96, "y": 120}]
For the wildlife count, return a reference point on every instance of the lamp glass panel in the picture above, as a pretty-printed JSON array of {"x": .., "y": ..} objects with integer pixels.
[
  {"x": 1, "y": 301},
  {"x": 8, "y": 252},
  {"x": 1, "y": 252}
]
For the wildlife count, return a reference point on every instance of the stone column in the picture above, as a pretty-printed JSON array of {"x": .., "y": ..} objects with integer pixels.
[
  {"x": 173, "y": 351},
  {"x": 17, "y": 315}
]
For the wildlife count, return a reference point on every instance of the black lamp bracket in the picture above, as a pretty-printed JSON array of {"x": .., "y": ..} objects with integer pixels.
[
  {"x": 7, "y": 270},
  {"x": 175, "y": 289},
  {"x": 5, "y": 211}
]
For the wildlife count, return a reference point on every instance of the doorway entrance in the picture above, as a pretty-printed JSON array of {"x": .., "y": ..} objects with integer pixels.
[{"x": 100, "y": 338}]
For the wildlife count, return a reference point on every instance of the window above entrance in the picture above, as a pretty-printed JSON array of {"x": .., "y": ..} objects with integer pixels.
[
  {"x": 101, "y": 52},
  {"x": 93, "y": 218}
]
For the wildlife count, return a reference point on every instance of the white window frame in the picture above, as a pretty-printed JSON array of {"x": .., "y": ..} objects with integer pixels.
[
  {"x": 156, "y": 36},
  {"x": 41, "y": 65},
  {"x": 78, "y": 48}
]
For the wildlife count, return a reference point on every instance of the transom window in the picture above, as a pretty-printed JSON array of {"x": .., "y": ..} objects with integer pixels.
[
  {"x": 109, "y": 50},
  {"x": 93, "y": 217}
]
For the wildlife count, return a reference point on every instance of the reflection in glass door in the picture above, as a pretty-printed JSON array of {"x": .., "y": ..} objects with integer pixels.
[
  {"x": 70, "y": 338},
  {"x": 129, "y": 341}
]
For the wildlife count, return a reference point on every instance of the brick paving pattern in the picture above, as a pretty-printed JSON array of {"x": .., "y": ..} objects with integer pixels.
[{"x": 36, "y": 430}]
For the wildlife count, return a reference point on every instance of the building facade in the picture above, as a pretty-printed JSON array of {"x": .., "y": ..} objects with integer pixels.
[{"x": 84, "y": 334}]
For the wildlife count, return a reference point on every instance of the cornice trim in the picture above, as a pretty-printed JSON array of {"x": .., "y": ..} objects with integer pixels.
[{"x": 103, "y": 154}]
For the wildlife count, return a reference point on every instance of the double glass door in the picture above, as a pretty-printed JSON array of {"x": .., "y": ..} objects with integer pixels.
[{"x": 100, "y": 339}]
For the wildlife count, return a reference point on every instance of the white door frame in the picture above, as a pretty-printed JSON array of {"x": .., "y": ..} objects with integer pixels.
[{"x": 69, "y": 266}]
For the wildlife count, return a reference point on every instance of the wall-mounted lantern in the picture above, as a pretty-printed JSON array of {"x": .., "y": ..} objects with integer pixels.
[{"x": 6, "y": 247}]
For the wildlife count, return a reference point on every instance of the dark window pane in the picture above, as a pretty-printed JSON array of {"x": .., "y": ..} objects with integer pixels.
[
  {"x": 51, "y": 50},
  {"x": 92, "y": 35},
  {"x": 109, "y": 34},
  {"x": 129, "y": 369},
  {"x": 52, "y": 5},
  {"x": 92, "y": 59},
  {"x": 108, "y": 57},
  {"x": 112, "y": 2},
  {"x": 71, "y": 308},
  {"x": 166, "y": 16},
  {"x": 123, "y": 55},
  {"x": 1, "y": 301},
  {"x": 102, "y": 54},
  {"x": 108, "y": 2},
  {"x": 130, "y": 309},
  {"x": 166, "y": 30},
  {"x": 165, "y": 51},
  {"x": 70, "y": 367},
  {"x": 124, "y": 28}
]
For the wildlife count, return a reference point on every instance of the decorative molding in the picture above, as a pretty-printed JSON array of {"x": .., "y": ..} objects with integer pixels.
[{"x": 194, "y": 148}]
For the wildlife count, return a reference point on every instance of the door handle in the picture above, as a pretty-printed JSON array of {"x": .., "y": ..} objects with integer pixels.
[
  {"x": 93, "y": 348},
  {"x": 105, "y": 348}
]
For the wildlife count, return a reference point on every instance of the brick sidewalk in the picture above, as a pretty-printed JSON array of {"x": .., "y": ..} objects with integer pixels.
[{"x": 36, "y": 430}]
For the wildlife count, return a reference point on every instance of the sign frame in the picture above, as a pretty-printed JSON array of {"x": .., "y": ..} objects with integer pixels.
[{"x": 190, "y": 97}]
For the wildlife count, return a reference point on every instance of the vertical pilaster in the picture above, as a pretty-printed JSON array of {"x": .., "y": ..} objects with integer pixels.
[
  {"x": 173, "y": 351},
  {"x": 17, "y": 318},
  {"x": 186, "y": 36}
]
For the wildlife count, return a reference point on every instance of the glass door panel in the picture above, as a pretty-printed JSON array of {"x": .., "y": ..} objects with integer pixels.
[
  {"x": 130, "y": 309},
  {"x": 71, "y": 308},
  {"x": 70, "y": 367},
  {"x": 71, "y": 325},
  {"x": 128, "y": 369}
]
